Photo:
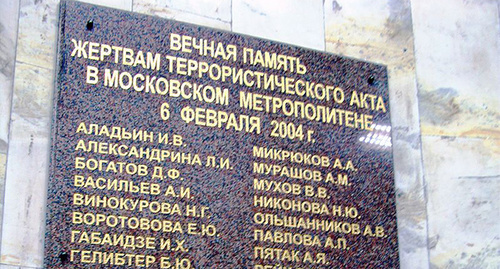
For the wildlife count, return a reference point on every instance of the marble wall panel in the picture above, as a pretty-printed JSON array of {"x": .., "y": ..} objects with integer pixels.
[
  {"x": 8, "y": 34},
  {"x": 37, "y": 39},
  {"x": 32, "y": 95},
  {"x": 408, "y": 171},
  {"x": 290, "y": 21},
  {"x": 164, "y": 11},
  {"x": 4, "y": 266},
  {"x": 37, "y": 33},
  {"x": 25, "y": 195},
  {"x": 381, "y": 31},
  {"x": 458, "y": 66},
  {"x": 26, "y": 171},
  {"x": 8, "y": 37},
  {"x": 219, "y": 10},
  {"x": 119, "y": 4},
  {"x": 377, "y": 31},
  {"x": 3, "y": 164},
  {"x": 463, "y": 185},
  {"x": 25, "y": 188}
]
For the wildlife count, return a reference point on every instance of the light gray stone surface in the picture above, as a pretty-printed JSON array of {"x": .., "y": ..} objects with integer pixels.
[
  {"x": 458, "y": 67},
  {"x": 463, "y": 183},
  {"x": 8, "y": 37},
  {"x": 380, "y": 31},
  {"x": 457, "y": 50},
  {"x": 173, "y": 11},
  {"x": 37, "y": 33},
  {"x": 26, "y": 177},
  {"x": 8, "y": 33},
  {"x": 118, "y": 4},
  {"x": 295, "y": 22},
  {"x": 4, "y": 266},
  {"x": 29, "y": 129},
  {"x": 219, "y": 10},
  {"x": 26, "y": 187}
]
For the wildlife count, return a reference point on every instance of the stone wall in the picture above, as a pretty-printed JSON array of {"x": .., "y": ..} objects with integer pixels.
[{"x": 443, "y": 59}]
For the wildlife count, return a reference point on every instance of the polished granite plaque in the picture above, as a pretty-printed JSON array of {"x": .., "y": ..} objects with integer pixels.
[{"x": 180, "y": 146}]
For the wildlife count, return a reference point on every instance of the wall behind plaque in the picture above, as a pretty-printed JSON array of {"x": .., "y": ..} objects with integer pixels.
[{"x": 444, "y": 64}]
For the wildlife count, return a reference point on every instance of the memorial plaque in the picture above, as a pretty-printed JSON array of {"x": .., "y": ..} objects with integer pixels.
[{"x": 179, "y": 146}]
